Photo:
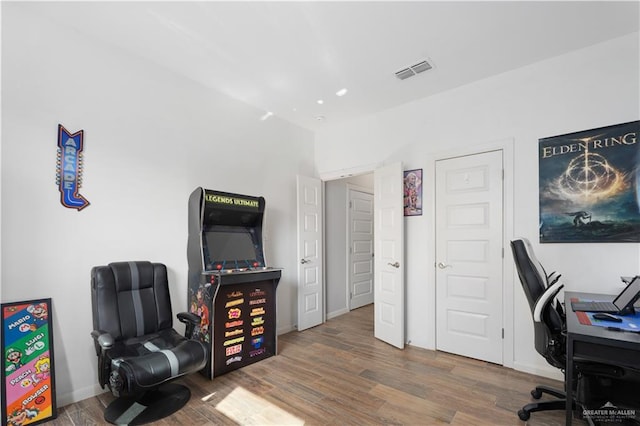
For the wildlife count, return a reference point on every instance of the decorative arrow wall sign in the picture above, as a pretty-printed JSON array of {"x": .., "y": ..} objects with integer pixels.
[{"x": 69, "y": 168}]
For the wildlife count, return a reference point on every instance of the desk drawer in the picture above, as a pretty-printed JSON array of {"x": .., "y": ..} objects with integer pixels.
[{"x": 607, "y": 354}]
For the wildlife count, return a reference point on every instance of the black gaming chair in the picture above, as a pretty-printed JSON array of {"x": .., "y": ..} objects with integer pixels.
[
  {"x": 547, "y": 321},
  {"x": 138, "y": 350}
]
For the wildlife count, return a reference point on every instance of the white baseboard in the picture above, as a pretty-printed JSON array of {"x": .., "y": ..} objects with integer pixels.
[
  {"x": 337, "y": 313},
  {"x": 548, "y": 372},
  {"x": 285, "y": 329},
  {"x": 79, "y": 395},
  {"x": 288, "y": 328}
]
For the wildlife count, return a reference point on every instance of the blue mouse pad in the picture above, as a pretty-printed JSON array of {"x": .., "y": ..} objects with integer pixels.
[{"x": 629, "y": 322}]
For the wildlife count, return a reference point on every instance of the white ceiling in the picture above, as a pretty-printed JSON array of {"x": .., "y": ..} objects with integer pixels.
[{"x": 284, "y": 56}]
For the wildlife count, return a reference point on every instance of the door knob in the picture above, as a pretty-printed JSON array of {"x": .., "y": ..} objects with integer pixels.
[
  {"x": 303, "y": 261},
  {"x": 443, "y": 265},
  {"x": 395, "y": 265}
]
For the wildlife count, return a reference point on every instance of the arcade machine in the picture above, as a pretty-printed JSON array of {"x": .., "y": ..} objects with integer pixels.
[{"x": 230, "y": 287}]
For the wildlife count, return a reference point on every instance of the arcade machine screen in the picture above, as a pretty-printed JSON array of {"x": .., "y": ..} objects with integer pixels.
[{"x": 231, "y": 249}]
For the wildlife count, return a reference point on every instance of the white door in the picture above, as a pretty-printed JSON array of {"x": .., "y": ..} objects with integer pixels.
[
  {"x": 360, "y": 248},
  {"x": 389, "y": 255},
  {"x": 469, "y": 256},
  {"x": 310, "y": 281}
]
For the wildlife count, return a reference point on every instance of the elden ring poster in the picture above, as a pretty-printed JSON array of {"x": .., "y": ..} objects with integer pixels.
[{"x": 590, "y": 186}]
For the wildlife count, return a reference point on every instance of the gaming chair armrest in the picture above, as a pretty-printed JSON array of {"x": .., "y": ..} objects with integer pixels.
[
  {"x": 103, "y": 339},
  {"x": 190, "y": 320},
  {"x": 545, "y": 299}
]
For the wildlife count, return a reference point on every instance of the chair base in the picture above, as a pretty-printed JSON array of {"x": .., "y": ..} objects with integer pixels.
[
  {"x": 555, "y": 404},
  {"x": 539, "y": 390},
  {"x": 153, "y": 405}
]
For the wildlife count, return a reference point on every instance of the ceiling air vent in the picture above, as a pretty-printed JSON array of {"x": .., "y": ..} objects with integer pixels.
[
  {"x": 405, "y": 73},
  {"x": 413, "y": 70}
]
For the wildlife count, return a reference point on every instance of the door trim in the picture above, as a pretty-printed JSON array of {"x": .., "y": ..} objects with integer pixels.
[{"x": 507, "y": 148}]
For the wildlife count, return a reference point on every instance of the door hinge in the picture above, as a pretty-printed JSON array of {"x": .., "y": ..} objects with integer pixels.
[
  {"x": 350, "y": 295},
  {"x": 502, "y": 174},
  {"x": 350, "y": 204},
  {"x": 503, "y": 252},
  {"x": 503, "y": 333}
]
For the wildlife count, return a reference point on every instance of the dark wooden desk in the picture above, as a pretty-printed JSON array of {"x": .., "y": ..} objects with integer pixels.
[{"x": 593, "y": 343}]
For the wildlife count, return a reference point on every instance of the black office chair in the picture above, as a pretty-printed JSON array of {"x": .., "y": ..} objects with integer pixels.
[
  {"x": 595, "y": 383},
  {"x": 138, "y": 350},
  {"x": 548, "y": 322}
]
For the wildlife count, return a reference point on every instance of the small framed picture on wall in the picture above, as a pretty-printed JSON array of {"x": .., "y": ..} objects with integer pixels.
[{"x": 413, "y": 192}]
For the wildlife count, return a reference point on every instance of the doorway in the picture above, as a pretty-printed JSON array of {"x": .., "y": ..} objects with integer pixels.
[
  {"x": 388, "y": 257},
  {"x": 339, "y": 242}
]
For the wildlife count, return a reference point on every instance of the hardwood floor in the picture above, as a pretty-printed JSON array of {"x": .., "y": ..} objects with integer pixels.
[{"x": 339, "y": 374}]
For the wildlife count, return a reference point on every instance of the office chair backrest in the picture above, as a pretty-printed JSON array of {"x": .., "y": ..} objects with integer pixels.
[
  {"x": 548, "y": 328},
  {"x": 534, "y": 283},
  {"x": 532, "y": 274},
  {"x": 130, "y": 299}
]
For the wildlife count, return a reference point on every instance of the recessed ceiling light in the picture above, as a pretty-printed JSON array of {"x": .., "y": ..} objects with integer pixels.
[
  {"x": 320, "y": 101},
  {"x": 341, "y": 92},
  {"x": 267, "y": 115}
]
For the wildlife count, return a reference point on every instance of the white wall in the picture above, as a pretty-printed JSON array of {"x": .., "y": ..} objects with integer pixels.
[
  {"x": 0, "y": 162},
  {"x": 594, "y": 87},
  {"x": 151, "y": 137}
]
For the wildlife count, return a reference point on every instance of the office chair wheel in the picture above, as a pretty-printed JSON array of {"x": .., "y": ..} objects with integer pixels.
[
  {"x": 536, "y": 394},
  {"x": 524, "y": 415}
]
